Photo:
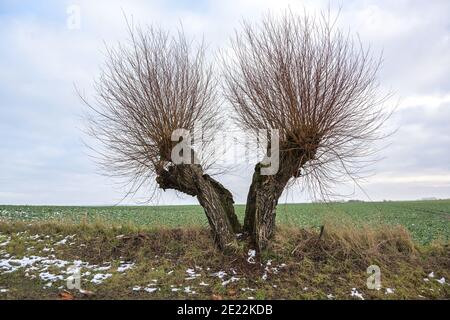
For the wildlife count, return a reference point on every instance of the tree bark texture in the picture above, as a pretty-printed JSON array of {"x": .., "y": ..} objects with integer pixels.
[
  {"x": 263, "y": 195},
  {"x": 215, "y": 199}
]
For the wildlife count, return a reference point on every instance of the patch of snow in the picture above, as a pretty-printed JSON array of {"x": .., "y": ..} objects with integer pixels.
[
  {"x": 136, "y": 288},
  {"x": 46, "y": 276},
  {"x": 124, "y": 267},
  {"x": 189, "y": 290},
  {"x": 203, "y": 284},
  {"x": 3, "y": 244},
  {"x": 355, "y": 293},
  {"x": 192, "y": 274},
  {"x": 232, "y": 279},
  {"x": 103, "y": 268},
  {"x": 99, "y": 277},
  {"x": 251, "y": 256},
  {"x": 330, "y": 296},
  {"x": 441, "y": 280},
  {"x": 389, "y": 291},
  {"x": 12, "y": 265},
  {"x": 219, "y": 274},
  {"x": 62, "y": 242},
  {"x": 150, "y": 289},
  {"x": 431, "y": 275}
]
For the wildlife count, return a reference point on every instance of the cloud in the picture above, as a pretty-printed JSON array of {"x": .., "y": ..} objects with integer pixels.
[{"x": 43, "y": 160}]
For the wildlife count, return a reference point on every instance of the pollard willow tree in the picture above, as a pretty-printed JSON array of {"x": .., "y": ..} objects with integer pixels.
[
  {"x": 150, "y": 88},
  {"x": 296, "y": 74},
  {"x": 318, "y": 87}
]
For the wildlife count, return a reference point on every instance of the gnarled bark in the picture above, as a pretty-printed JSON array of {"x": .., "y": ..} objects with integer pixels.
[
  {"x": 263, "y": 195},
  {"x": 215, "y": 199},
  {"x": 262, "y": 200}
]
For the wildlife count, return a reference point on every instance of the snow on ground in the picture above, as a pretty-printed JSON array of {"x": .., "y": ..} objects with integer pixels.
[
  {"x": 47, "y": 276},
  {"x": 251, "y": 256},
  {"x": 389, "y": 291},
  {"x": 100, "y": 277},
  {"x": 192, "y": 274},
  {"x": 44, "y": 265},
  {"x": 355, "y": 293},
  {"x": 232, "y": 279},
  {"x": 189, "y": 290},
  {"x": 125, "y": 266},
  {"x": 219, "y": 274},
  {"x": 104, "y": 268},
  {"x": 3, "y": 244},
  {"x": 431, "y": 275}
]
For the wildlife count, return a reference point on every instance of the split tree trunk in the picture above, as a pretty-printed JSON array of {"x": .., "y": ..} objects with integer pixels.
[
  {"x": 215, "y": 199},
  {"x": 262, "y": 200}
]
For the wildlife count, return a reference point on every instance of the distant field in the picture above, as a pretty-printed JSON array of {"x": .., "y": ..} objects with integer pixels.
[{"x": 426, "y": 220}]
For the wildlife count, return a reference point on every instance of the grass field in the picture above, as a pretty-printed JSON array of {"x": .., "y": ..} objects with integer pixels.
[
  {"x": 167, "y": 253},
  {"x": 426, "y": 220}
]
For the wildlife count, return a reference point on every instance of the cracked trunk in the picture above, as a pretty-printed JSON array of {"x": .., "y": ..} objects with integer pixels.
[
  {"x": 261, "y": 206},
  {"x": 262, "y": 200},
  {"x": 215, "y": 199}
]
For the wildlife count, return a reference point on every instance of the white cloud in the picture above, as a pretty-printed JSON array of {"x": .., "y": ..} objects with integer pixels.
[{"x": 41, "y": 60}]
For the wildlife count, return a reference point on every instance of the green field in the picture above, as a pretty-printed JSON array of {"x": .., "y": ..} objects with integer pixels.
[{"x": 426, "y": 220}]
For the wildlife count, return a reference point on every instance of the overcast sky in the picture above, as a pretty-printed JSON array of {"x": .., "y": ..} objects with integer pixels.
[{"x": 43, "y": 54}]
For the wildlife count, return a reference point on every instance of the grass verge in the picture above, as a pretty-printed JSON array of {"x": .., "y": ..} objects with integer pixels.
[{"x": 130, "y": 262}]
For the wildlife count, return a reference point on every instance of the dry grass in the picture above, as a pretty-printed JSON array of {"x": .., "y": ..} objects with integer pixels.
[
  {"x": 361, "y": 244},
  {"x": 299, "y": 258}
]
